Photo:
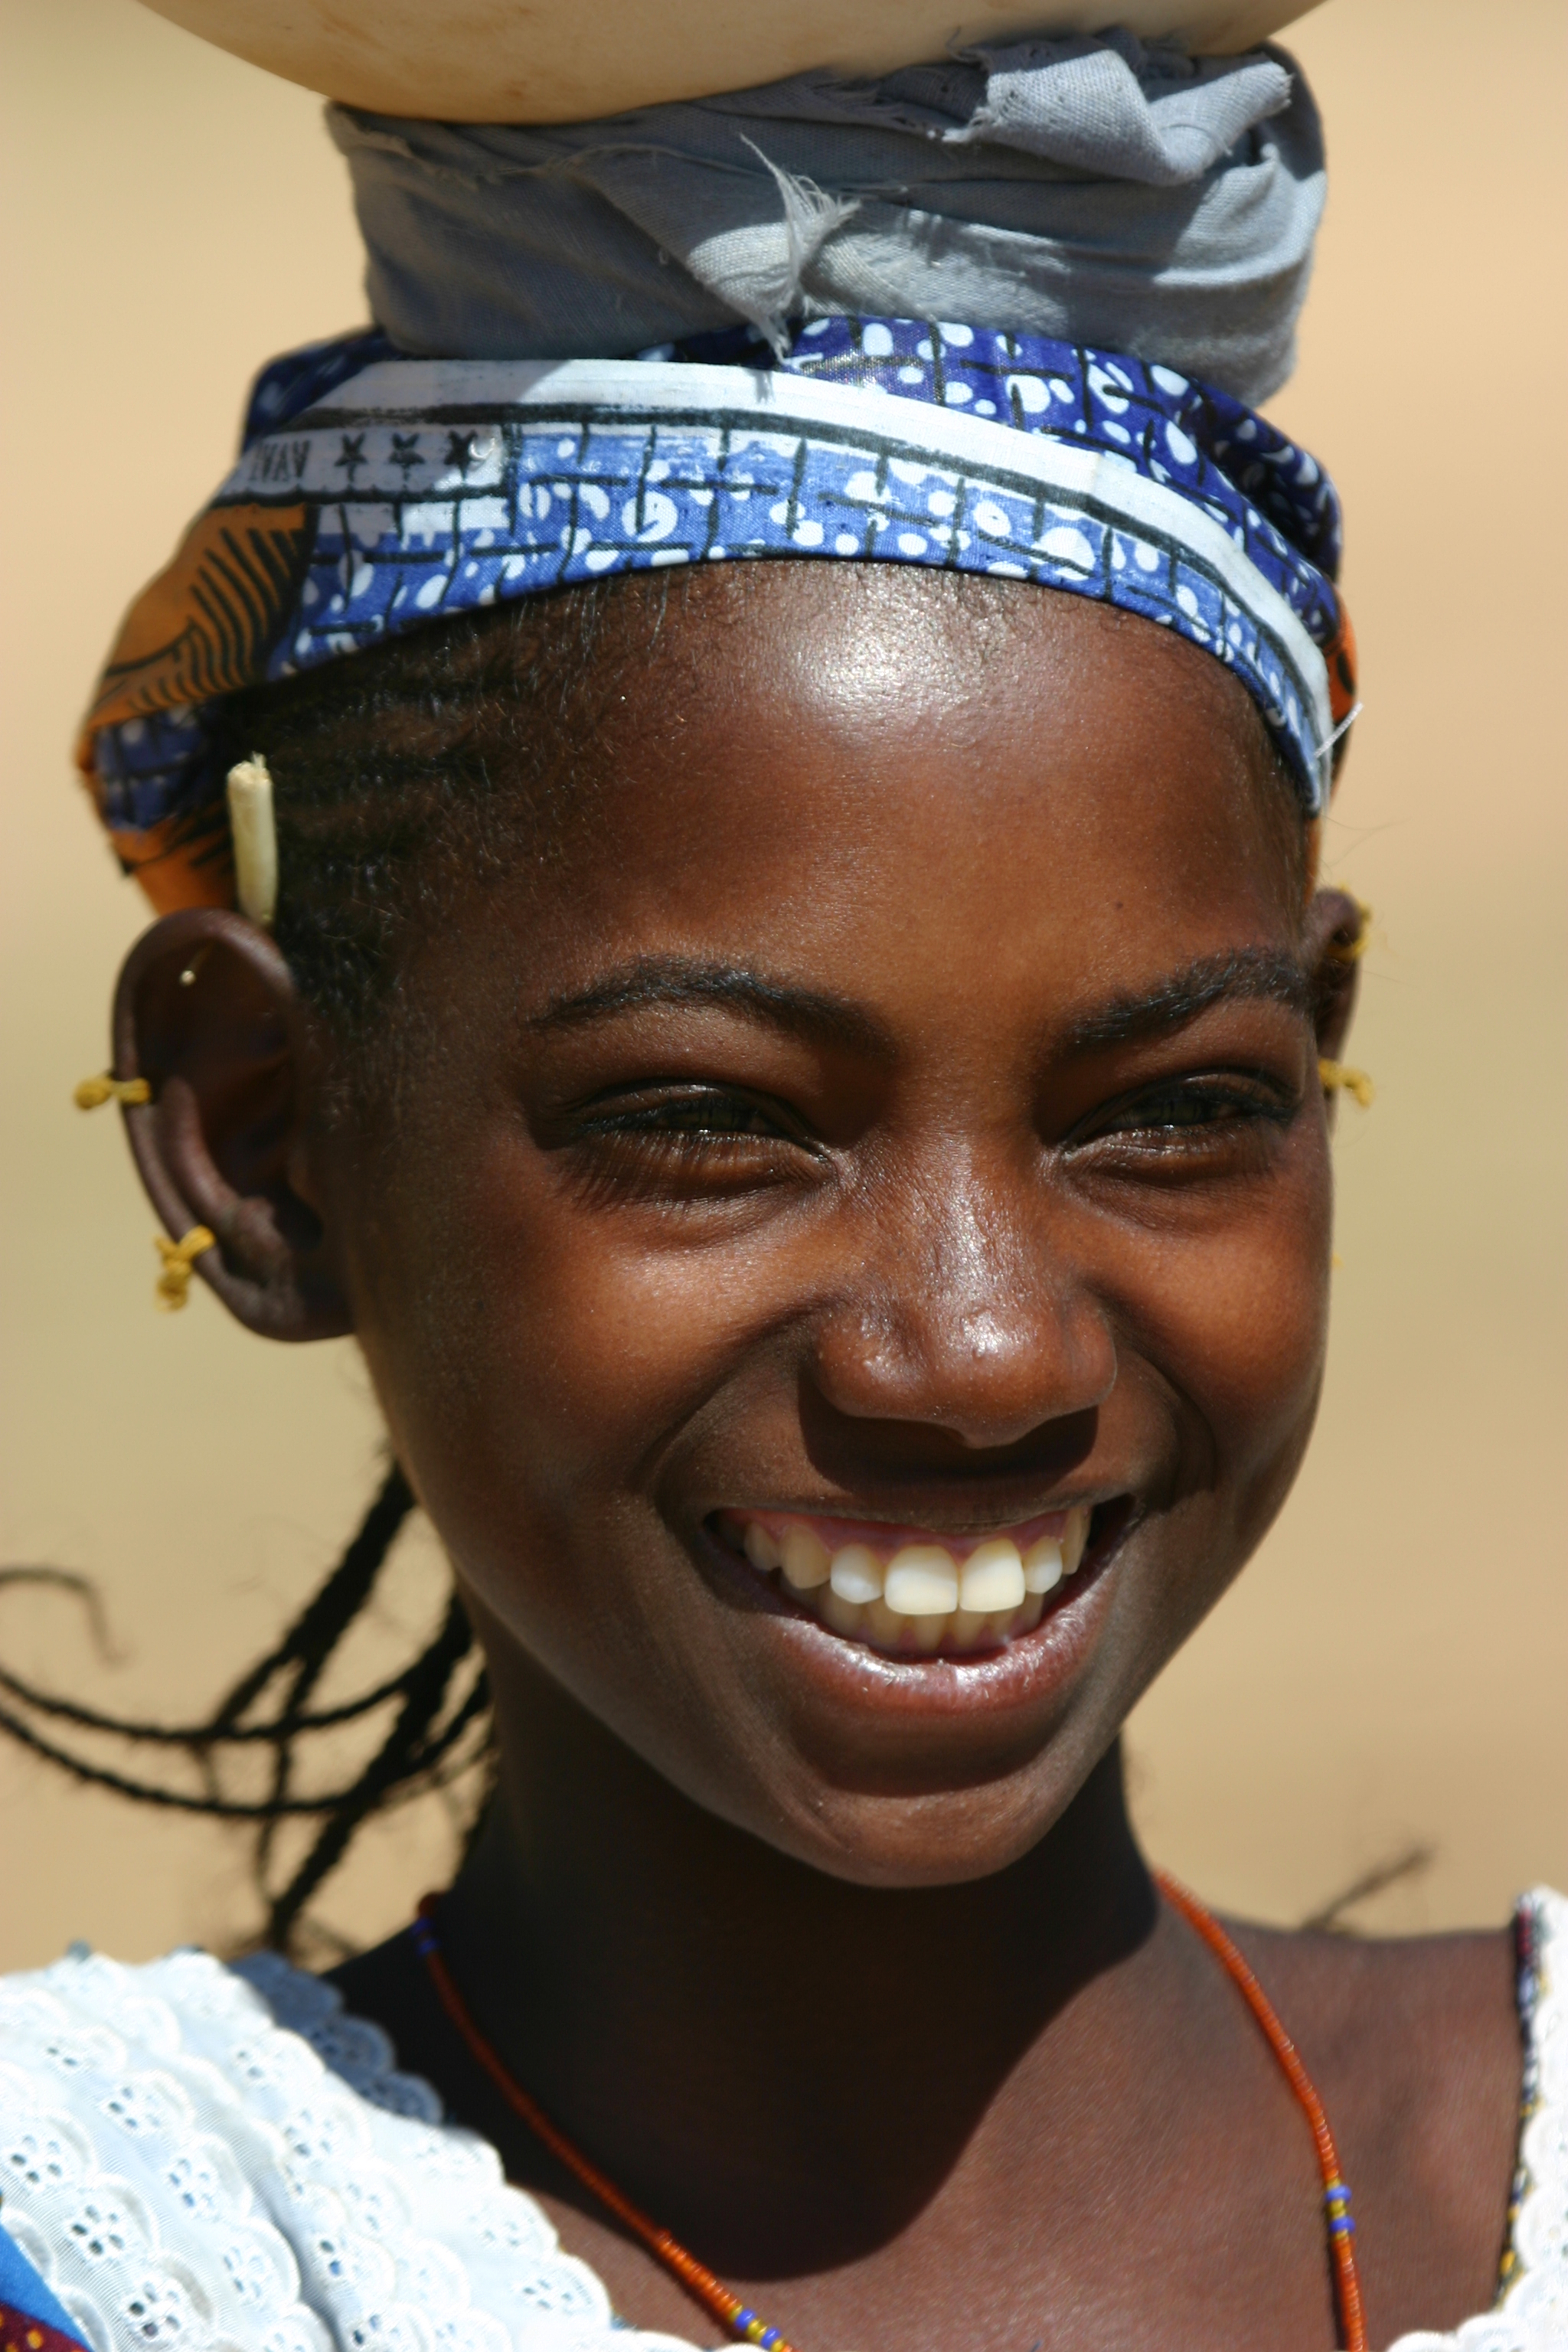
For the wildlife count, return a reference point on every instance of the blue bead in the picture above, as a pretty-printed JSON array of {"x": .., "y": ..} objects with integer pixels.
[{"x": 742, "y": 2320}]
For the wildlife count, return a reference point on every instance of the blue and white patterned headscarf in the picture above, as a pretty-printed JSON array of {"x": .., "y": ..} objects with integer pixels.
[{"x": 377, "y": 492}]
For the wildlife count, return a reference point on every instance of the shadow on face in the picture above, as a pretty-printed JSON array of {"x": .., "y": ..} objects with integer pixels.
[{"x": 855, "y": 1065}]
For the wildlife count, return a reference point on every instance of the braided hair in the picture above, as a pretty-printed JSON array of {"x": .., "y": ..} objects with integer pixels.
[{"x": 438, "y": 1731}]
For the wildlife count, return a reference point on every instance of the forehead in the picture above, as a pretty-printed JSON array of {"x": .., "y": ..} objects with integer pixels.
[{"x": 811, "y": 747}]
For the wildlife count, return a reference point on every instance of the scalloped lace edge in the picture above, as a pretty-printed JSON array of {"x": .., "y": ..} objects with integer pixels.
[{"x": 125, "y": 2042}]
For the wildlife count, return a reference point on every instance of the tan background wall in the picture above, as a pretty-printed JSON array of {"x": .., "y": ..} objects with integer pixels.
[{"x": 1391, "y": 1670}]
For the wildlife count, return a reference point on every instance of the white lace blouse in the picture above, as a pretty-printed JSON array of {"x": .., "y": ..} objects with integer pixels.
[{"x": 222, "y": 2160}]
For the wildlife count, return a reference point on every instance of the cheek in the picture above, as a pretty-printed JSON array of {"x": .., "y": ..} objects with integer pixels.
[
  {"x": 536, "y": 1366},
  {"x": 1238, "y": 1325},
  {"x": 541, "y": 1376}
]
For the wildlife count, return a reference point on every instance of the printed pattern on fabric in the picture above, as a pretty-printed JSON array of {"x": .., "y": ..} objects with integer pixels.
[
  {"x": 288, "y": 385},
  {"x": 226, "y": 2160},
  {"x": 384, "y": 494},
  {"x": 31, "y": 2320},
  {"x": 1205, "y": 442},
  {"x": 21, "y": 2332}
]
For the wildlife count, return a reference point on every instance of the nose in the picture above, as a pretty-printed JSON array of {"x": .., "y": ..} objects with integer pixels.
[{"x": 959, "y": 1315}]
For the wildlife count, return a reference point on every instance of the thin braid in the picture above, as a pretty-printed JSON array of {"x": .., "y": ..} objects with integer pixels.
[
  {"x": 194, "y": 1735},
  {"x": 420, "y": 1752},
  {"x": 148, "y": 1792},
  {"x": 310, "y": 1641},
  {"x": 410, "y": 1748},
  {"x": 301, "y": 1656},
  {"x": 323, "y": 1622}
]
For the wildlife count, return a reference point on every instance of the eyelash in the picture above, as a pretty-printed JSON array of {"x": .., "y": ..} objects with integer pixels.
[
  {"x": 709, "y": 1122},
  {"x": 1224, "y": 1109},
  {"x": 687, "y": 1123}
]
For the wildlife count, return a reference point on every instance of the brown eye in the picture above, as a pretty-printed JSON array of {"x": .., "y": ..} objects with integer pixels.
[
  {"x": 1191, "y": 1113},
  {"x": 1189, "y": 1106},
  {"x": 686, "y": 1146},
  {"x": 717, "y": 1119},
  {"x": 692, "y": 1119}
]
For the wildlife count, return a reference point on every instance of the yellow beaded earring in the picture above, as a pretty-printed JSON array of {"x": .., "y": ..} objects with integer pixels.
[
  {"x": 1339, "y": 1076},
  {"x": 105, "y": 1088},
  {"x": 172, "y": 1287},
  {"x": 1352, "y": 950}
]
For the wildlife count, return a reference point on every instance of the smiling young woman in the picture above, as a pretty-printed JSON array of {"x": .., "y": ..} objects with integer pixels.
[{"x": 811, "y": 1083}]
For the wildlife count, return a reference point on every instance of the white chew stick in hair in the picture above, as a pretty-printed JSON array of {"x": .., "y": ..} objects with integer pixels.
[{"x": 255, "y": 832}]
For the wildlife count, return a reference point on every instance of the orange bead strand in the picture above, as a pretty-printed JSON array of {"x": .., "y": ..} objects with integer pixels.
[
  {"x": 1336, "y": 2195},
  {"x": 742, "y": 2321},
  {"x": 698, "y": 2280}
]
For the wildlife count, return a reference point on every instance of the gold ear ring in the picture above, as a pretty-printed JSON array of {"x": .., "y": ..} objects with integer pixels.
[
  {"x": 172, "y": 1287},
  {"x": 1337, "y": 1076},
  {"x": 105, "y": 1088}
]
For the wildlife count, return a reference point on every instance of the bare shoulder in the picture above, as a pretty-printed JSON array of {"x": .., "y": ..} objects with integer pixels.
[
  {"x": 1390, "y": 2003},
  {"x": 1415, "y": 2045}
]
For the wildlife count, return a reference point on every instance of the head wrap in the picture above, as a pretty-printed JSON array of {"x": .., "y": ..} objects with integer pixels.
[
  {"x": 376, "y": 492},
  {"x": 1093, "y": 190}
]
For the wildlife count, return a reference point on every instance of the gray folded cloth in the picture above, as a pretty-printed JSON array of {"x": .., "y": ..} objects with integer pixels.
[{"x": 1092, "y": 189}]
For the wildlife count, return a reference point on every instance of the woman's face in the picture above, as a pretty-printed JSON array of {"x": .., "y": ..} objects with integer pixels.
[{"x": 883, "y": 1118}]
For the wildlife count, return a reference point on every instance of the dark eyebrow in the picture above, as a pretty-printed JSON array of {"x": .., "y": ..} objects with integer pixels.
[
  {"x": 677, "y": 980},
  {"x": 1181, "y": 997}
]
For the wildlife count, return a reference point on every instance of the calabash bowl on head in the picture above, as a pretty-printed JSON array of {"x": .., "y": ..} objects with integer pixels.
[{"x": 499, "y": 61}]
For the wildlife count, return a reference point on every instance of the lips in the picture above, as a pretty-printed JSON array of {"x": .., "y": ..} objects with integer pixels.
[{"x": 911, "y": 1593}]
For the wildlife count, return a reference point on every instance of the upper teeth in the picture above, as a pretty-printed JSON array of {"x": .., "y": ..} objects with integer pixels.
[{"x": 920, "y": 1596}]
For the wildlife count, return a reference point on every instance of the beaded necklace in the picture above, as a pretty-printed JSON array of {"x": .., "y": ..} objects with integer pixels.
[{"x": 743, "y": 2323}]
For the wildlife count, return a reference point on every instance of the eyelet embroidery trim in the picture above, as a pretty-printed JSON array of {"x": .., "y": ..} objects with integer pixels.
[{"x": 199, "y": 2158}]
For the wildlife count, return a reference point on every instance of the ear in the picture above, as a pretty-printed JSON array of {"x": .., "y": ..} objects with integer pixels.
[
  {"x": 207, "y": 1012},
  {"x": 1332, "y": 950}
]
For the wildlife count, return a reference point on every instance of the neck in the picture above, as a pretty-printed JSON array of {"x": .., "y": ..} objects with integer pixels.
[{"x": 660, "y": 1980}]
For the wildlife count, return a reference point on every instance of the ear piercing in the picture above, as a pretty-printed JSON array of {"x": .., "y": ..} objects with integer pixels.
[
  {"x": 1352, "y": 950},
  {"x": 172, "y": 1287},
  {"x": 1339, "y": 1076}
]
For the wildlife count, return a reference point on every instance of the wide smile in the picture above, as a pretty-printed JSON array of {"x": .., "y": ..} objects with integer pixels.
[{"x": 910, "y": 1592}]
